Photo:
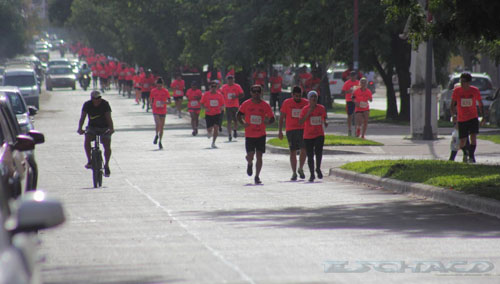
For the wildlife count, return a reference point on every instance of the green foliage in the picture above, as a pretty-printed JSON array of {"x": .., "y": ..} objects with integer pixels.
[
  {"x": 492, "y": 138},
  {"x": 59, "y": 11},
  {"x": 12, "y": 28},
  {"x": 482, "y": 180},
  {"x": 331, "y": 140}
]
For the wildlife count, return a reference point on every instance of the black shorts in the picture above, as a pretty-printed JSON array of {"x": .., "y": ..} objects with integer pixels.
[
  {"x": 231, "y": 113},
  {"x": 91, "y": 131},
  {"x": 122, "y": 82},
  {"x": 145, "y": 95},
  {"x": 349, "y": 108},
  {"x": 255, "y": 144},
  {"x": 212, "y": 120},
  {"x": 468, "y": 127},
  {"x": 177, "y": 98},
  {"x": 129, "y": 83},
  {"x": 295, "y": 139},
  {"x": 159, "y": 115}
]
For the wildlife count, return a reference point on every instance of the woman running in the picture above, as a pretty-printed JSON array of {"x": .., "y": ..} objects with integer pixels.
[
  {"x": 194, "y": 96},
  {"x": 159, "y": 98}
]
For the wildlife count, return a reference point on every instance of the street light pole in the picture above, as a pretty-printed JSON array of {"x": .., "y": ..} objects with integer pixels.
[
  {"x": 428, "y": 84},
  {"x": 355, "y": 56}
]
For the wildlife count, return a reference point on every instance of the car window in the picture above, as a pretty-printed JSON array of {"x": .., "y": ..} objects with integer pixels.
[
  {"x": 337, "y": 75},
  {"x": 482, "y": 84},
  {"x": 19, "y": 80},
  {"x": 60, "y": 71},
  {"x": 16, "y": 102}
]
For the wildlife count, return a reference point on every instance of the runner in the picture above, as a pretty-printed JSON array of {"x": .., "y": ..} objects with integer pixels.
[
  {"x": 290, "y": 111},
  {"x": 178, "y": 86},
  {"x": 361, "y": 97},
  {"x": 259, "y": 76},
  {"x": 213, "y": 102},
  {"x": 136, "y": 79},
  {"x": 347, "y": 90},
  {"x": 463, "y": 108},
  {"x": 159, "y": 99},
  {"x": 146, "y": 84},
  {"x": 194, "y": 96},
  {"x": 276, "y": 82},
  {"x": 232, "y": 93},
  {"x": 313, "y": 116},
  {"x": 258, "y": 114}
]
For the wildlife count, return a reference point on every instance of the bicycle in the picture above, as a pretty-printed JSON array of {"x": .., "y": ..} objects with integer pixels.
[{"x": 96, "y": 160}]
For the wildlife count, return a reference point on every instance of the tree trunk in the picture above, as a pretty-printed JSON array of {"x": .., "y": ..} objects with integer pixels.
[
  {"x": 402, "y": 53},
  {"x": 392, "y": 106}
]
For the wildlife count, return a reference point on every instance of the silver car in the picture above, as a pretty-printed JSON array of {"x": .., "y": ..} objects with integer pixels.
[
  {"x": 479, "y": 80},
  {"x": 23, "y": 112},
  {"x": 25, "y": 79}
]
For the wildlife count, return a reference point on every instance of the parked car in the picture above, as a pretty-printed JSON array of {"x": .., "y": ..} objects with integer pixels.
[
  {"x": 21, "y": 262},
  {"x": 480, "y": 80},
  {"x": 23, "y": 112},
  {"x": 59, "y": 62},
  {"x": 25, "y": 79},
  {"x": 16, "y": 148},
  {"x": 336, "y": 82},
  {"x": 2, "y": 70},
  {"x": 60, "y": 76}
]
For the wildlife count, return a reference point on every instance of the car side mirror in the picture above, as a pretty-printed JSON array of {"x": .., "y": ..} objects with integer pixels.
[
  {"x": 24, "y": 143},
  {"x": 32, "y": 110},
  {"x": 33, "y": 212},
  {"x": 37, "y": 136}
]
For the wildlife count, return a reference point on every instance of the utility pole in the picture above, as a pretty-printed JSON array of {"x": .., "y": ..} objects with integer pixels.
[
  {"x": 428, "y": 84},
  {"x": 355, "y": 56}
]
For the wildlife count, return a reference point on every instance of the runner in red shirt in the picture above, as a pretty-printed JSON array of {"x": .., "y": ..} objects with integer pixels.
[
  {"x": 232, "y": 93},
  {"x": 465, "y": 100},
  {"x": 259, "y": 77},
  {"x": 95, "y": 75},
  {"x": 213, "y": 102},
  {"x": 257, "y": 114},
  {"x": 276, "y": 82},
  {"x": 159, "y": 99},
  {"x": 146, "y": 84},
  {"x": 290, "y": 111},
  {"x": 362, "y": 96},
  {"x": 304, "y": 79},
  {"x": 178, "y": 86},
  {"x": 313, "y": 116},
  {"x": 136, "y": 79},
  {"x": 347, "y": 90},
  {"x": 194, "y": 106}
]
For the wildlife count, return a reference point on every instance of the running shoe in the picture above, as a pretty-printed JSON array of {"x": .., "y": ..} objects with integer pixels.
[
  {"x": 88, "y": 166},
  {"x": 213, "y": 146},
  {"x": 358, "y": 132},
  {"x": 230, "y": 138},
  {"x": 311, "y": 179},
  {"x": 257, "y": 180},
  {"x": 301, "y": 173},
  {"x": 472, "y": 159},
  {"x": 155, "y": 140},
  {"x": 107, "y": 172},
  {"x": 294, "y": 177},
  {"x": 249, "y": 169},
  {"x": 319, "y": 173},
  {"x": 160, "y": 146},
  {"x": 235, "y": 133},
  {"x": 194, "y": 133}
]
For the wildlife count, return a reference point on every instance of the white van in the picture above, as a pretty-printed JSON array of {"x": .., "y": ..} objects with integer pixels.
[
  {"x": 25, "y": 80},
  {"x": 336, "y": 82}
]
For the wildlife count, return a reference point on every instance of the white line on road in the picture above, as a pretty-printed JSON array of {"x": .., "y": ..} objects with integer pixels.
[{"x": 185, "y": 227}]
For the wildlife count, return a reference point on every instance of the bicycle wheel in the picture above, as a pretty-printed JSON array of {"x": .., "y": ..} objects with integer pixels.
[
  {"x": 99, "y": 174},
  {"x": 95, "y": 168}
]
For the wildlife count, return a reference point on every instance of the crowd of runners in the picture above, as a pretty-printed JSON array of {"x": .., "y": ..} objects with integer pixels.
[{"x": 303, "y": 118}]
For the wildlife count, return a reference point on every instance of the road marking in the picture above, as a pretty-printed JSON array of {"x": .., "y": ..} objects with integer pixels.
[
  {"x": 185, "y": 227},
  {"x": 377, "y": 150}
]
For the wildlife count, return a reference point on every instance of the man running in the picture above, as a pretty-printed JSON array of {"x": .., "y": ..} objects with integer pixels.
[
  {"x": 258, "y": 114},
  {"x": 290, "y": 112},
  {"x": 347, "y": 90},
  {"x": 463, "y": 109},
  {"x": 194, "y": 107},
  {"x": 276, "y": 82},
  {"x": 213, "y": 102},
  {"x": 178, "y": 85},
  {"x": 100, "y": 123},
  {"x": 232, "y": 93}
]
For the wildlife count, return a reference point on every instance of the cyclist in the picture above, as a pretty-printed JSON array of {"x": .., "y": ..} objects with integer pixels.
[
  {"x": 85, "y": 70},
  {"x": 100, "y": 123}
]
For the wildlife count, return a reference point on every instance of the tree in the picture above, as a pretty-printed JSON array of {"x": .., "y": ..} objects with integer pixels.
[{"x": 12, "y": 28}]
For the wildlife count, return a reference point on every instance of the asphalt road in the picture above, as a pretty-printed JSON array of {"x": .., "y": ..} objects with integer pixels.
[{"x": 189, "y": 214}]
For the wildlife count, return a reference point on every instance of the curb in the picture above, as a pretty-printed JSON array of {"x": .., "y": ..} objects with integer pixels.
[{"x": 465, "y": 201}]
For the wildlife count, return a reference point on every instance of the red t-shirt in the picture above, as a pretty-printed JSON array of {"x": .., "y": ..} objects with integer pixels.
[
  {"x": 255, "y": 114},
  {"x": 159, "y": 99},
  {"x": 305, "y": 81},
  {"x": 122, "y": 72},
  {"x": 362, "y": 97},
  {"x": 231, "y": 94},
  {"x": 129, "y": 73},
  {"x": 259, "y": 78},
  {"x": 292, "y": 110},
  {"x": 194, "y": 97},
  {"x": 276, "y": 84},
  {"x": 466, "y": 102},
  {"x": 315, "y": 84},
  {"x": 313, "y": 125},
  {"x": 347, "y": 87},
  {"x": 212, "y": 102},
  {"x": 178, "y": 88},
  {"x": 147, "y": 83}
]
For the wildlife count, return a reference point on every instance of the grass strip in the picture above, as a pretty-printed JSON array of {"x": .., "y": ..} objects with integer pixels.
[
  {"x": 480, "y": 180},
  {"x": 330, "y": 140},
  {"x": 493, "y": 138}
]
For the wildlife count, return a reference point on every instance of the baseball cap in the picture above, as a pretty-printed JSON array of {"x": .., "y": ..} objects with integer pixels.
[
  {"x": 230, "y": 76},
  {"x": 311, "y": 93},
  {"x": 95, "y": 94}
]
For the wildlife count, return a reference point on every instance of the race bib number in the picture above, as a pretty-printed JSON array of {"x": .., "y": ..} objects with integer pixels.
[
  {"x": 277, "y": 86},
  {"x": 231, "y": 95},
  {"x": 363, "y": 104},
  {"x": 159, "y": 104},
  {"x": 466, "y": 102},
  {"x": 146, "y": 85},
  {"x": 178, "y": 92},
  {"x": 315, "y": 120},
  {"x": 296, "y": 112},
  {"x": 214, "y": 103},
  {"x": 194, "y": 103},
  {"x": 255, "y": 119}
]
